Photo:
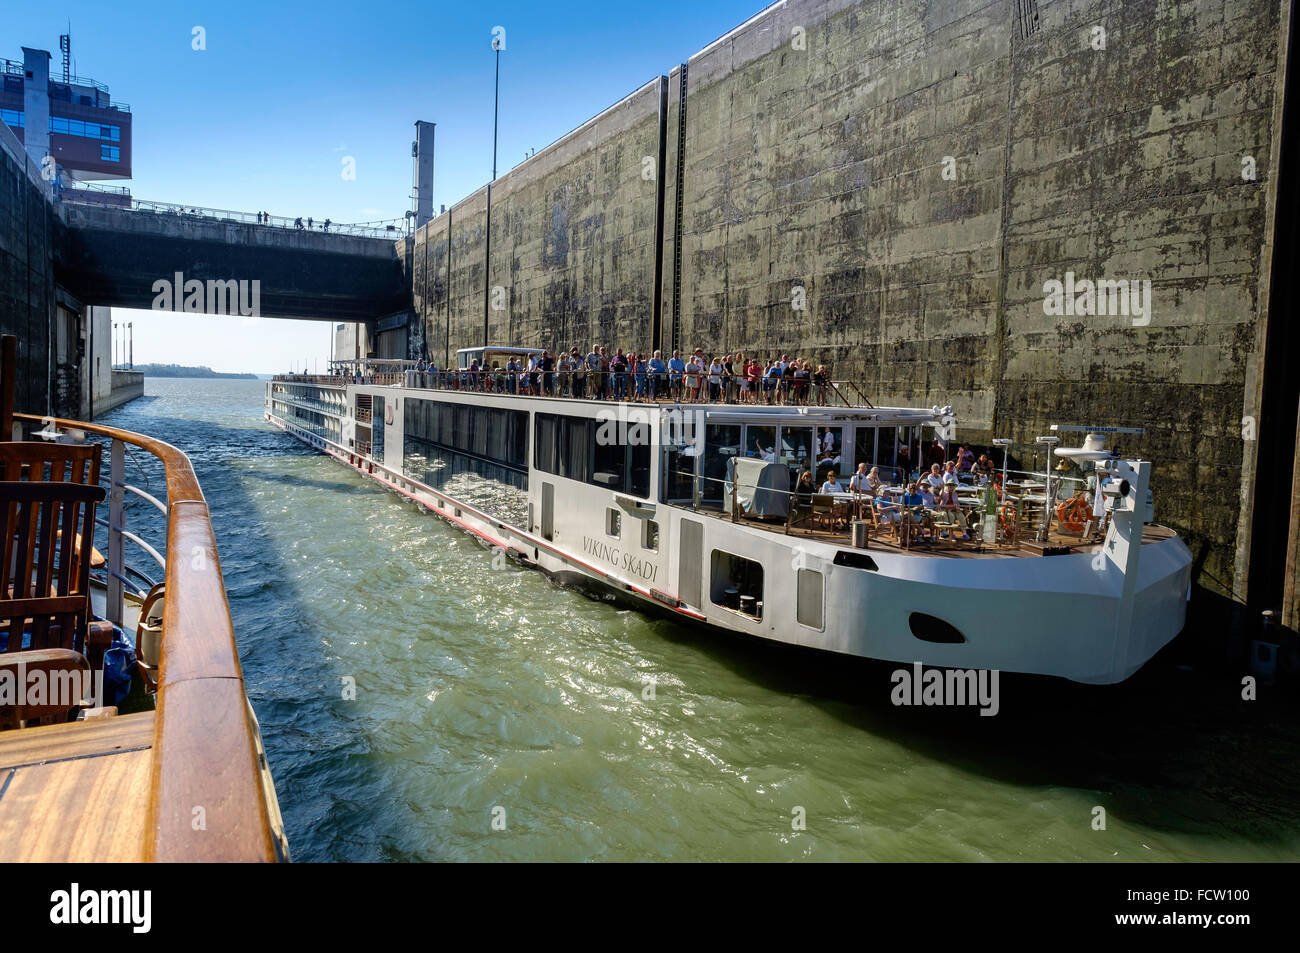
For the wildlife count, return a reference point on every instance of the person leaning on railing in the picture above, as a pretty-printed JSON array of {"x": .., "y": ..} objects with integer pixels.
[
  {"x": 820, "y": 380},
  {"x": 658, "y": 376}
]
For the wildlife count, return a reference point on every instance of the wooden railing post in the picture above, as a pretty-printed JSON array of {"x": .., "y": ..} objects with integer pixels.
[{"x": 116, "y": 523}]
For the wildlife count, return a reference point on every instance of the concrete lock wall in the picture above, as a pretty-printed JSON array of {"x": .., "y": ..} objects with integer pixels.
[
  {"x": 27, "y": 304},
  {"x": 573, "y": 243},
  {"x": 913, "y": 176}
]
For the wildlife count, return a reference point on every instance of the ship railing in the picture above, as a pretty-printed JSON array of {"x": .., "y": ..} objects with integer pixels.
[
  {"x": 655, "y": 387},
  {"x": 335, "y": 380},
  {"x": 332, "y": 380},
  {"x": 389, "y": 230},
  {"x": 206, "y": 748},
  {"x": 1018, "y": 510}
]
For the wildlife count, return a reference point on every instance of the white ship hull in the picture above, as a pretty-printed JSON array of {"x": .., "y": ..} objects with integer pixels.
[{"x": 1079, "y": 616}]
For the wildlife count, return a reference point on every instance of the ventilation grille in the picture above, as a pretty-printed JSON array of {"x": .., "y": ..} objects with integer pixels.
[{"x": 1027, "y": 17}]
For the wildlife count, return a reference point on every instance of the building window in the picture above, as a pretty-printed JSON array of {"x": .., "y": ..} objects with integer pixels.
[
  {"x": 13, "y": 117},
  {"x": 110, "y": 153},
  {"x": 86, "y": 130}
]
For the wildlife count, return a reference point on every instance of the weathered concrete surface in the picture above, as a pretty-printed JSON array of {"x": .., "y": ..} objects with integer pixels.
[
  {"x": 27, "y": 301},
  {"x": 917, "y": 173},
  {"x": 573, "y": 242},
  {"x": 127, "y": 386}
]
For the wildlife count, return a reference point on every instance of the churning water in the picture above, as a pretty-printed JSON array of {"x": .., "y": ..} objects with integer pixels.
[{"x": 484, "y": 693}]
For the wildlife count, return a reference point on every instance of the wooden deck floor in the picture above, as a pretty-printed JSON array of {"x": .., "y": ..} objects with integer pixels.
[{"x": 76, "y": 792}]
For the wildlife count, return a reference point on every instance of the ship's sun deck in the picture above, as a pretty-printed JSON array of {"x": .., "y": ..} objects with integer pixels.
[{"x": 928, "y": 540}]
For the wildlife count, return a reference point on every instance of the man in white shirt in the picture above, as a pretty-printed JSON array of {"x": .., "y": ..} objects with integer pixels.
[
  {"x": 934, "y": 478},
  {"x": 858, "y": 482},
  {"x": 828, "y": 442}
]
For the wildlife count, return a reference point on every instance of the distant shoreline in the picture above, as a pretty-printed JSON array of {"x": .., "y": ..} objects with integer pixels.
[{"x": 183, "y": 371}]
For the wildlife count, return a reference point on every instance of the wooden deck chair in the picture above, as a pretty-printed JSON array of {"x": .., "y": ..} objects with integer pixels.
[
  {"x": 953, "y": 522},
  {"x": 50, "y": 686},
  {"x": 823, "y": 509},
  {"x": 46, "y": 591},
  {"x": 50, "y": 462}
]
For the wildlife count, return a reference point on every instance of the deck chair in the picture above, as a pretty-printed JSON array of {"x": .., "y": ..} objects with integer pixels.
[
  {"x": 50, "y": 462},
  {"x": 951, "y": 521},
  {"x": 823, "y": 509},
  {"x": 64, "y": 693},
  {"x": 893, "y": 523},
  {"x": 45, "y": 596},
  {"x": 56, "y": 463}
]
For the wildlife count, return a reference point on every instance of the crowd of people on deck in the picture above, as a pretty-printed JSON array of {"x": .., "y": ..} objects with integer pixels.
[
  {"x": 919, "y": 498},
  {"x": 645, "y": 376}
]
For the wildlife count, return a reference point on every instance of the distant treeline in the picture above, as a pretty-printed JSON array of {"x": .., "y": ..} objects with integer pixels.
[{"x": 181, "y": 370}]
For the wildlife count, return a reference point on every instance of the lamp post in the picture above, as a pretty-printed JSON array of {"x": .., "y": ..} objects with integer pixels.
[
  {"x": 497, "y": 43},
  {"x": 1043, "y": 531}
]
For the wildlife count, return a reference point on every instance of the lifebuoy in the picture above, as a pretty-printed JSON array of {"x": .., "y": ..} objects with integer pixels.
[
  {"x": 1007, "y": 517},
  {"x": 1073, "y": 514}
]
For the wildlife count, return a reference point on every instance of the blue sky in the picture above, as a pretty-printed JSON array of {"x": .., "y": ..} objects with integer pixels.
[{"x": 263, "y": 117}]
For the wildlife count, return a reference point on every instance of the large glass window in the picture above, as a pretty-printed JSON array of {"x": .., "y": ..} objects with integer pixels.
[
  {"x": 721, "y": 443},
  {"x": 476, "y": 454},
  {"x": 577, "y": 449},
  {"x": 760, "y": 441}
]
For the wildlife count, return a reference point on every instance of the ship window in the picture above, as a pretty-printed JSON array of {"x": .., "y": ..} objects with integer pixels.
[
  {"x": 611, "y": 461},
  {"x": 650, "y": 537},
  {"x": 639, "y": 482},
  {"x": 736, "y": 583},
  {"x": 721, "y": 442},
  {"x": 809, "y": 598},
  {"x": 576, "y": 448},
  {"x": 613, "y": 522},
  {"x": 759, "y": 440}
]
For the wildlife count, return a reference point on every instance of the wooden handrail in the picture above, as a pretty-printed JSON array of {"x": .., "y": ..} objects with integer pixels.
[{"x": 207, "y": 802}]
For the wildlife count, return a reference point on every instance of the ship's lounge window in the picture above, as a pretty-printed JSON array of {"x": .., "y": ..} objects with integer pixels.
[
  {"x": 650, "y": 537},
  {"x": 611, "y": 463},
  {"x": 865, "y": 449},
  {"x": 797, "y": 449},
  {"x": 578, "y": 449},
  {"x": 736, "y": 583},
  {"x": 760, "y": 442},
  {"x": 722, "y": 441},
  {"x": 477, "y": 454},
  {"x": 613, "y": 522}
]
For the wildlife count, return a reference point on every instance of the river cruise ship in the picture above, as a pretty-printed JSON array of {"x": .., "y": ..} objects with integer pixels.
[{"x": 696, "y": 510}]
